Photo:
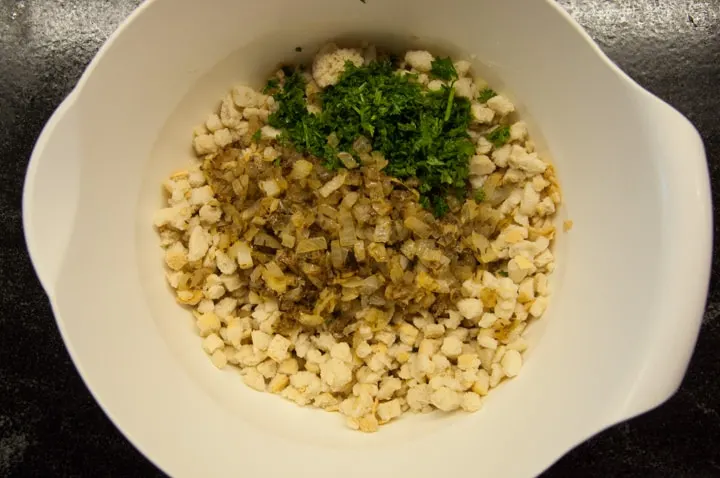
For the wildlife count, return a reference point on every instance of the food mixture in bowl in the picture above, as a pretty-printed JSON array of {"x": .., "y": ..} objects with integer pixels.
[{"x": 368, "y": 234}]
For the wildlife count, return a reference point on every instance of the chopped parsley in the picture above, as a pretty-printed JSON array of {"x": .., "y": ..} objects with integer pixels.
[
  {"x": 300, "y": 128},
  {"x": 499, "y": 136},
  {"x": 271, "y": 86},
  {"x": 479, "y": 195},
  {"x": 440, "y": 206},
  {"x": 486, "y": 94},
  {"x": 502, "y": 273},
  {"x": 276, "y": 162},
  {"x": 256, "y": 136},
  {"x": 444, "y": 69},
  {"x": 421, "y": 134}
]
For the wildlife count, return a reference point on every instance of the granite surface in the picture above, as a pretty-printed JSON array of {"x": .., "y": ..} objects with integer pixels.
[{"x": 49, "y": 424}]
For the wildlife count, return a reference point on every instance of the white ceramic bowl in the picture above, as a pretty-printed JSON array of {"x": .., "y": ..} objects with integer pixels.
[{"x": 629, "y": 290}]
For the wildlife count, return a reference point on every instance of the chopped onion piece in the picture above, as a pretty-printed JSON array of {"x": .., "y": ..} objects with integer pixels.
[
  {"x": 326, "y": 302},
  {"x": 351, "y": 282},
  {"x": 347, "y": 228},
  {"x": 349, "y": 294},
  {"x": 382, "y": 207},
  {"x": 310, "y": 320},
  {"x": 366, "y": 159},
  {"x": 479, "y": 242},
  {"x": 432, "y": 257},
  {"x": 418, "y": 227},
  {"x": 274, "y": 277},
  {"x": 333, "y": 185},
  {"x": 425, "y": 281},
  {"x": 276, "y": 284},
  {"x": 251, "y": 233},
  {"x": 377, "y": 299},
  {"x": 362, "y": 212},
  {"x": 383, "y": 229},
  {"x": 337, "y": 255},
  {"x": 270, "y": 187},
  {"x": 362, "y": 145},
  {"x": 311, "y": 245},
  {"x": 409, "y": 249},
  {"x": 359, "y": 251},
  {"x": 273, "y": 269},
  {"x": 380, "y": 161},
  {"x": 288, "y": 240},
  {"x": 264, "y": 239},
  {"x": 377, "y": 319},
  {"x": 396, "y": 270},
  {"x": 442, "y": 286},
  {"x": 333, "y": 140},
  {"x": 301, "y": 169},
  {"x": 251, "y": 212},
  {"x": 378, "y": 252},
  {"x": 347, "y": 160},
  {"x": 350, "y": 199},
  {"x": 327, "y": 210},
  {"x": 372, "y": 283},
  {"x": 310, "y": 269}
]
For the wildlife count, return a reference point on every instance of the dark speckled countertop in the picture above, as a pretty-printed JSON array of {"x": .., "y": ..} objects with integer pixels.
[{"x": 49, "y": 424}]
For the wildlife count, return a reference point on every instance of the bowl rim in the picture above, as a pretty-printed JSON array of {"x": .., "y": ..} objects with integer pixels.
[{"x": 703, "y": 252}]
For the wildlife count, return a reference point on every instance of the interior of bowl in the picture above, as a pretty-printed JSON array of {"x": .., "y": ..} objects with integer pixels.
[
  {"x": 138, "y": 349},
  {"x": 251, "y": 65}
]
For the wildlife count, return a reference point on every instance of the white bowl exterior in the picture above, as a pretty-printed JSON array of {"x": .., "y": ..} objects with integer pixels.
[{"x": 615, "y": 341}]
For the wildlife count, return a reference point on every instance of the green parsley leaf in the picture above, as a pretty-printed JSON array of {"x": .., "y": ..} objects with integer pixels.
[
  {"x": 479, "y": 195},
  {"x": 256, "y": 136},
  {"x": 485, "y": 95},
  {"x": 271, "y": 85},
  {"x": 502, "y": 273},
  {"x": 499, "y": 136},
  {"x": 440, "y": 207},
  {"x": 444, "y": 69},
  {"x": 451, "y": 97}
]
